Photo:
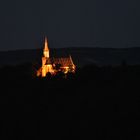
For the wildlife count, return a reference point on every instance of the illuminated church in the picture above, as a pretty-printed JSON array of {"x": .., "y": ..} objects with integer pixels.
[{"x": 54, "y": 65}]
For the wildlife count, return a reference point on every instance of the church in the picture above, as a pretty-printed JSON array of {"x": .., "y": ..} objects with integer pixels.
[{"x": 54, "y": 65}]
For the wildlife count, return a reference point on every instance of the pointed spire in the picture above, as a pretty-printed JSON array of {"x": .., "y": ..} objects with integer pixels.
[{"x": 46, "y": 48}]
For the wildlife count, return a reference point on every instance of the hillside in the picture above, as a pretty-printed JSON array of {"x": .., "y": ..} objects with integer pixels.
[{"x": 81, "y": 56}]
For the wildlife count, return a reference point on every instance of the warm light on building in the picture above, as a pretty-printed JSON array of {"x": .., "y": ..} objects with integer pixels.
[
  {"x": 46, "y": 49},
  {"x": 49, "y": 64}
]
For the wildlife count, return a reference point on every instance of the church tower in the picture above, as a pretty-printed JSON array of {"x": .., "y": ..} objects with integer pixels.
[
  {"x": 46, "y": 64},
  {"x": 46, "y": 49}
]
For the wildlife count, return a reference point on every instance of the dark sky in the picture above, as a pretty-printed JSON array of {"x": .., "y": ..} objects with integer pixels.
[{"x": 103, "y": 23}]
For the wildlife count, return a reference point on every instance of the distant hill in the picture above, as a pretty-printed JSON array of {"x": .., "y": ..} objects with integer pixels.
[{"x": 81, "y": 56}]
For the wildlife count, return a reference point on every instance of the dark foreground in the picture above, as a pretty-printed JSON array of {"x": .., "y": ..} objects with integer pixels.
[{"x": 96, "y": 102}]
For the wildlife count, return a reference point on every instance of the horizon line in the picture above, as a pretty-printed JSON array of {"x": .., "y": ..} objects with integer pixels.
[{"x": 71, "y": 47}]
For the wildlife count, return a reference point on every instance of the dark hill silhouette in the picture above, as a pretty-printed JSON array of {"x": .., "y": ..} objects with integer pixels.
[{"x": 81, "y": 56}]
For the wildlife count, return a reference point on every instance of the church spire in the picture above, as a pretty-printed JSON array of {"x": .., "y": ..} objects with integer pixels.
[{"x": 46, "y": 48}]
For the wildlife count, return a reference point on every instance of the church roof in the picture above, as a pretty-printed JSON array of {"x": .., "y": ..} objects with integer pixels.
[{"x": 63, "y": 61}]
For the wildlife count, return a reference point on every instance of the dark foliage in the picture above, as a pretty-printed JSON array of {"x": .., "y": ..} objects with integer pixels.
[{"x": 95, "y": 102}]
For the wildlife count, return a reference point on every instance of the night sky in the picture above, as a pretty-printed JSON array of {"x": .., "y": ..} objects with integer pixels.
[{"x": 69, "y": 23}]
